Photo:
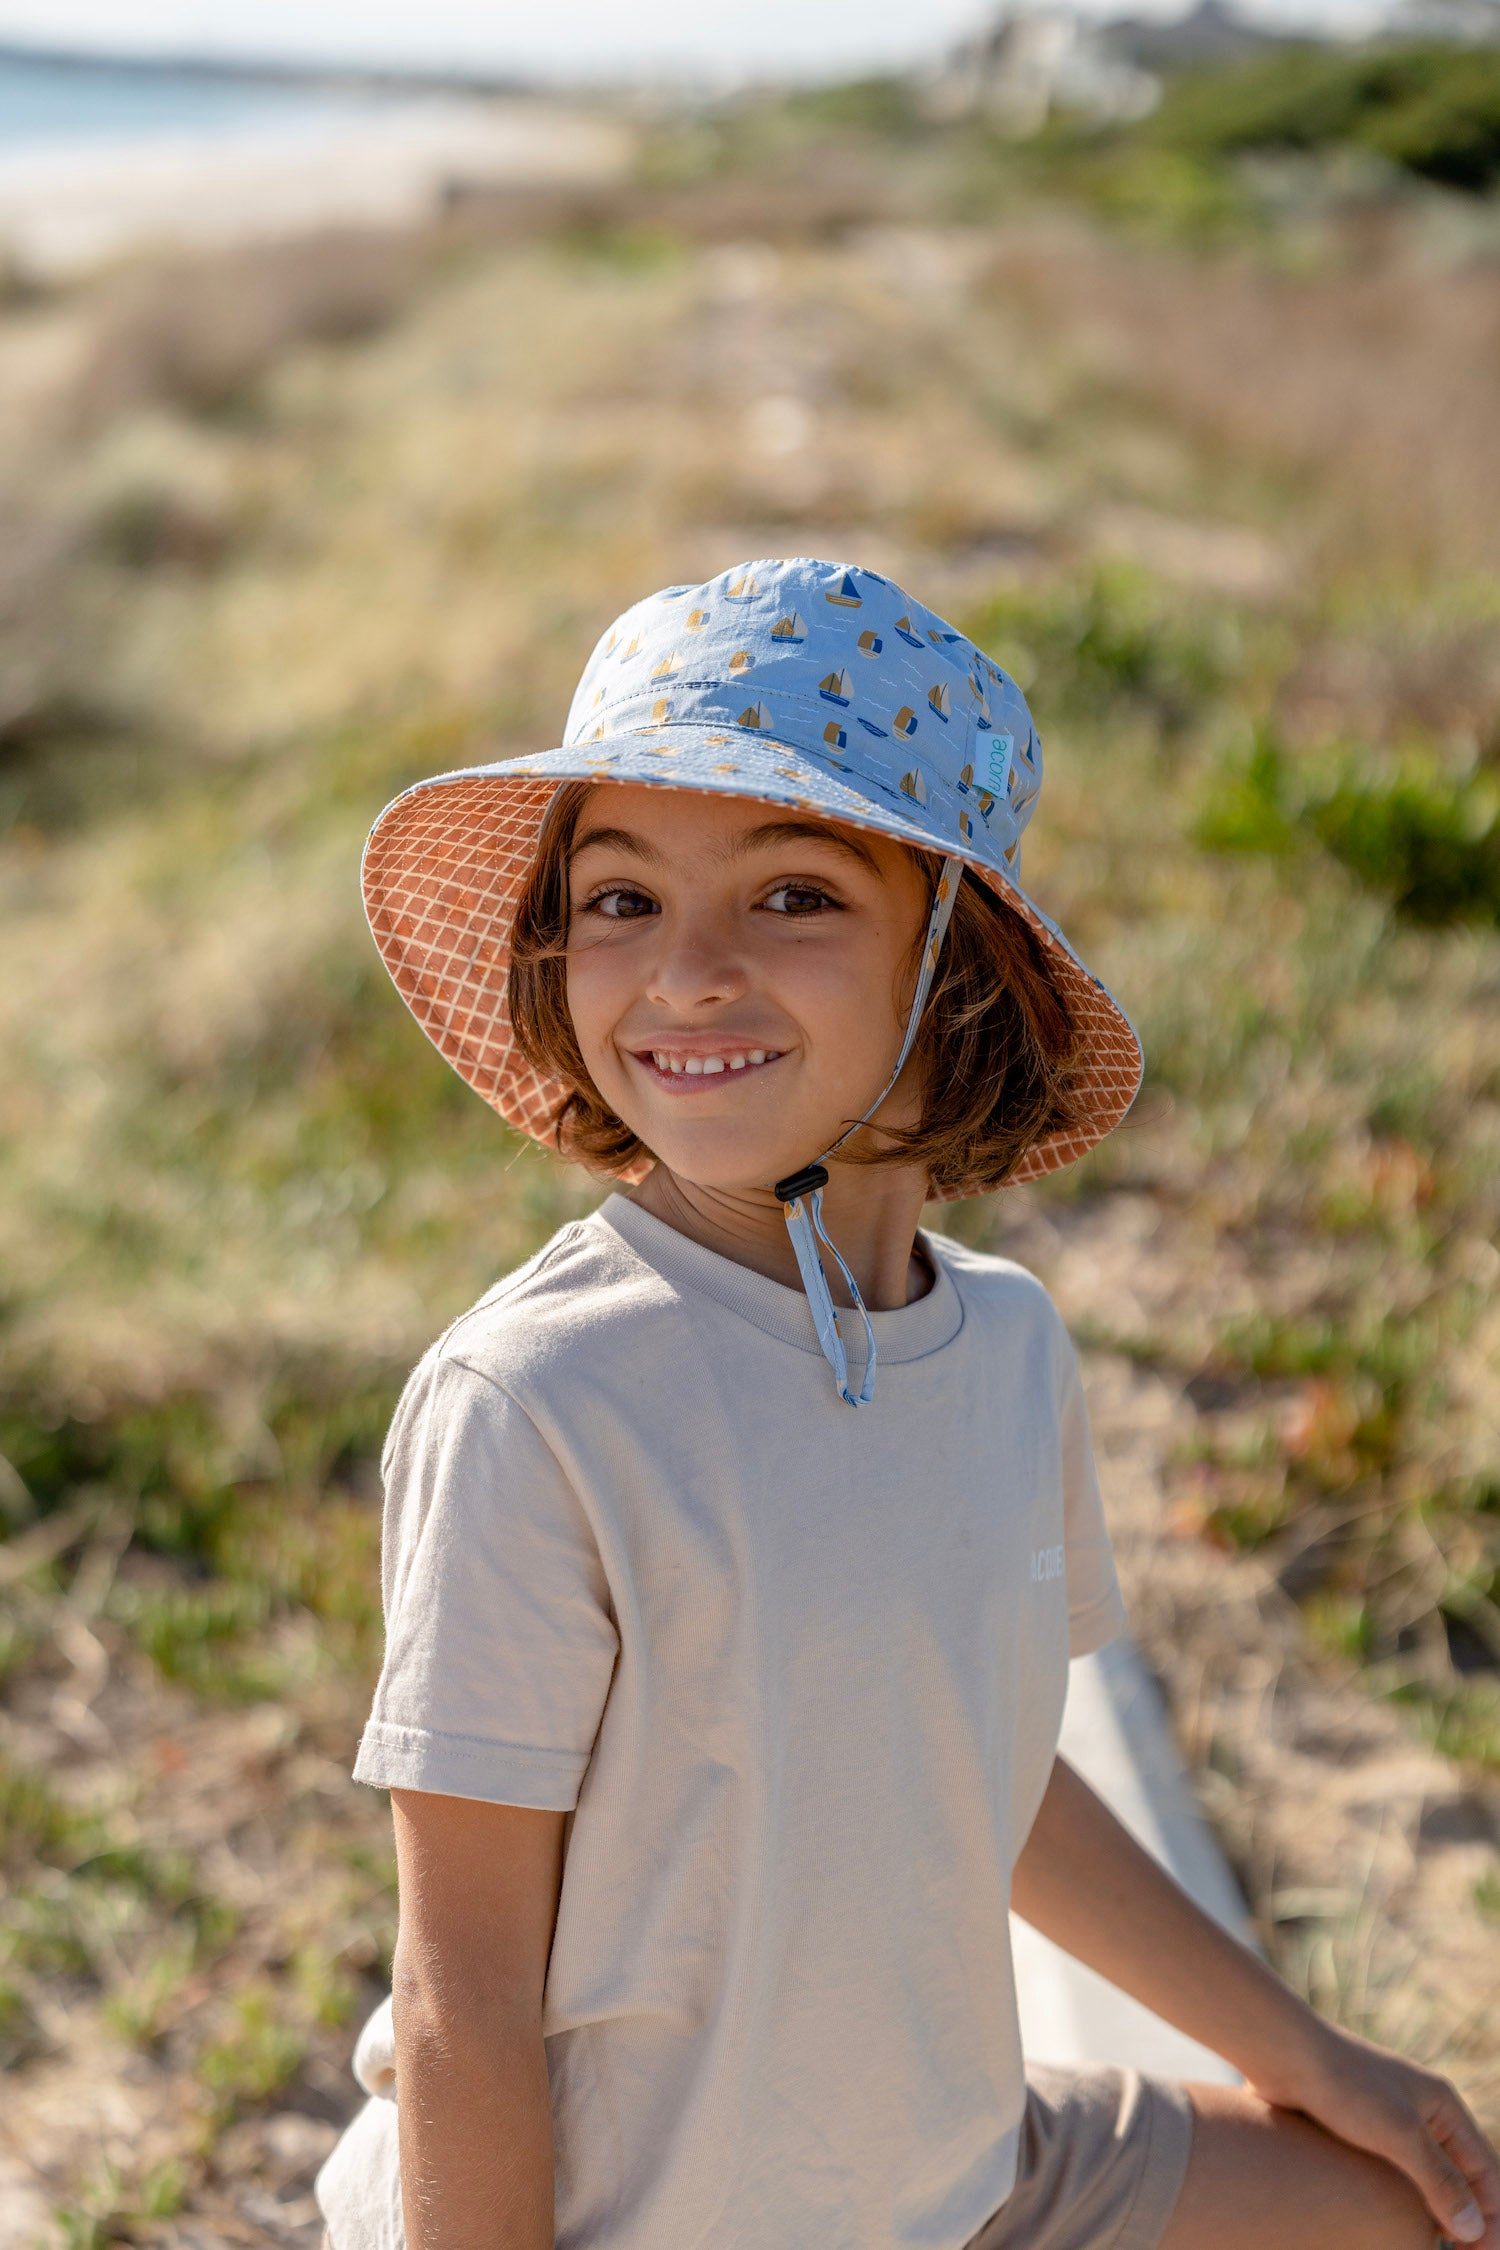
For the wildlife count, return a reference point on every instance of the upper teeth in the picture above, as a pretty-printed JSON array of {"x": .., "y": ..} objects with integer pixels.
[{"x": 697, "y": 1066}]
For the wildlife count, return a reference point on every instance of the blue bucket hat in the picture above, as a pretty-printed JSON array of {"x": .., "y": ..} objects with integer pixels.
[{"x": 815, "y": 685}]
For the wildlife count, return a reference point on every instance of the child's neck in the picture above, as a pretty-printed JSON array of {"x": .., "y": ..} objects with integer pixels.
[{"x": 871, "y": 1212}]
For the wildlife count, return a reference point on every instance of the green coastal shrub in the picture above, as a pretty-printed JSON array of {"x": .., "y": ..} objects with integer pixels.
[
  {"x": 1426, "y": 840},
  {"x": 1431, "y": 109},
  {"x": 1433, "y": 846}
]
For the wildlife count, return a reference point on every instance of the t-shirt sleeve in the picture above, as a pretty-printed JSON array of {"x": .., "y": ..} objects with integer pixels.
[
  {"x": 500, "y": 1633},
  {"x": 1096, "y": 1608}
]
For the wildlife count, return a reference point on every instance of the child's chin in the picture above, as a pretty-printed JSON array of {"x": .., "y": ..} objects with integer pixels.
[{"x": 732, "y": 1167}]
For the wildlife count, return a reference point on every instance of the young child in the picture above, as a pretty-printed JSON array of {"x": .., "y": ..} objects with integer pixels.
[{"x": 727, "y": 1638}]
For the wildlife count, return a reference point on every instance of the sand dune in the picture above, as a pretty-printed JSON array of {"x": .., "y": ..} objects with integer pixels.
[{"x": 66, "y": 208}]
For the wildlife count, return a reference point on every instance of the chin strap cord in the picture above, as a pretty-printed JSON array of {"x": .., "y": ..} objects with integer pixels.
[
  {"x": 804, "y": 1222},
  {"x": 802, "y": 1192}
]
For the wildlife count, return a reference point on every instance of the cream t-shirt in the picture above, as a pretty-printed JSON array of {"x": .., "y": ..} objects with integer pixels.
[{"x": 796, "y": 1675}]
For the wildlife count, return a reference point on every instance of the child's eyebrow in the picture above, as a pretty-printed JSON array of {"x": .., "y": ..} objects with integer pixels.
[
  {"x": 804, "y": 832},
  {"x": 614, "y": 840},
  {"x": 749, "y": 840}
]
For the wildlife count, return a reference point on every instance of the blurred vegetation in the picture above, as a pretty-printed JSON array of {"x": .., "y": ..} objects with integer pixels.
[
  {"x": 1209, "y": 164},
  {"x": 303, "y": 522},
  {"x": 1361, "y": 119},
  {"x": 1428, "y": 840},
  {"x": 1433, "y": 110}
]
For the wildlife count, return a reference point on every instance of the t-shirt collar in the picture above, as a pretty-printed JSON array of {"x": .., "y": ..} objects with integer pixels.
[{"x": 905, "y": 1332}]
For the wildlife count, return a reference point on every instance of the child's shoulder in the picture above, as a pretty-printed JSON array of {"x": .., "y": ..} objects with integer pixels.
[
  {"x": 990, "y": 1284},
  {"x": 561, "y": 1303}
]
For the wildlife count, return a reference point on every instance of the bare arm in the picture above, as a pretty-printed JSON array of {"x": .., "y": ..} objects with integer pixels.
[
  {"x": 1084, "y": 1881},
  {"x": 479, "y": 1891}
]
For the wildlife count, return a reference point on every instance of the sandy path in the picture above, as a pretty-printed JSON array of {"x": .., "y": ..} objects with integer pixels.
[{"x": 64, "y": 209}]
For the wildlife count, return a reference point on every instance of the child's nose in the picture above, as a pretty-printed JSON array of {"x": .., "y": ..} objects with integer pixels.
[{"x": 695, "y": 964}]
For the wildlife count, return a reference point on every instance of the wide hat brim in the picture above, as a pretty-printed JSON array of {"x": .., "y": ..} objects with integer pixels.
[{"x": 446, "y": 862}]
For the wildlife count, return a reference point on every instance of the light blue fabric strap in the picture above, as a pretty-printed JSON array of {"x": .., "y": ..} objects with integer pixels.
[
  {"x": 804, "y": 1214},
  {"x": 932, "y": 945},
  {"x": 804, "y": 1223}
]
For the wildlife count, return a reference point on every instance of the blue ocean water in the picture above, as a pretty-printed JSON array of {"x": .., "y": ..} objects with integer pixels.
[{"x": 46, "y": 103}]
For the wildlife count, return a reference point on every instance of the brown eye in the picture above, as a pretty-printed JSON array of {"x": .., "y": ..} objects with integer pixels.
[
  {"x": 797, "y": 898},
  {"x": 621, "y": 904}
]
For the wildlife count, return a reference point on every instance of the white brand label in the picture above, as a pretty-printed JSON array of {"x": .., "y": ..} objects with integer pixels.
[{"x": 1002, "y": 747}]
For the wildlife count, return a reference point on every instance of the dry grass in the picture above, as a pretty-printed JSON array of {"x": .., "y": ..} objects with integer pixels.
[
  {"x": 200, "y": 333},
  {"x": 1378, "y": 380},
  {"x": 240, "y": 1195}
]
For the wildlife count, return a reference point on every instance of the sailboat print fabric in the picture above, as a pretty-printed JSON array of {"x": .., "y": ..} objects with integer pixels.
[
  {"x": 816, "y": 685},
  {"x": 912, "y": 712}
]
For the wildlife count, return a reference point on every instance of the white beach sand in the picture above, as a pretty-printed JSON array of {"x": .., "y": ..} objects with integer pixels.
[{"x": 63, "y": 208}]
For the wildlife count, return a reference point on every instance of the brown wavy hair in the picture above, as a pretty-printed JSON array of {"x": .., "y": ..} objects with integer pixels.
[{"x": 997, "y": 1053}]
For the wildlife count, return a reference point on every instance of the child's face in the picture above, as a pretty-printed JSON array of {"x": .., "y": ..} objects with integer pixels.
[{"x": 738, "y": 976}]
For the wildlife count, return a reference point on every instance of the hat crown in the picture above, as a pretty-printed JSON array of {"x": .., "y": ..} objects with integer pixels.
[{"x": 841, "y": 666}]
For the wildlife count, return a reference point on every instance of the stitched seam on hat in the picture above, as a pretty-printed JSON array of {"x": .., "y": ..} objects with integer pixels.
[{"x": 766, "y": 735}]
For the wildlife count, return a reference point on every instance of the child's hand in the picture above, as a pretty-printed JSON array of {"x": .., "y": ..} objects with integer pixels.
[{"x": 1414, "y": 2119}]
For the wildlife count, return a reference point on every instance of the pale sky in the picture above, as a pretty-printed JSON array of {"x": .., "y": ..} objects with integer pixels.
[
  {"x": 796, "y": 36},
  {"x": 715, "y": 38}
]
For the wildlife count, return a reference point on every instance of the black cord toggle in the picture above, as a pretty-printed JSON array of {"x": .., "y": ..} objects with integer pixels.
[{"x": 800, "y": 1183}]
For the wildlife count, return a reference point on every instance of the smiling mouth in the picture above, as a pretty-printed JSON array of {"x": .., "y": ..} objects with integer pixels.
[{"x": 683, "y": 1071}]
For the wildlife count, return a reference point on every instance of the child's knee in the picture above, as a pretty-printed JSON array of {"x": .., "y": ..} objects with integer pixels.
[{"x": 1261, "y": 2175}]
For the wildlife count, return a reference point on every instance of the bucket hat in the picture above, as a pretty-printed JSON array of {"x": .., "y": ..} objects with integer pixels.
[{"x": 816, "y": 685}]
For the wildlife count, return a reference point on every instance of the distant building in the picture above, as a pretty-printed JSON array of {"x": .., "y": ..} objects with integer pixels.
[
  {"x": 1035, "y": 59},
  {"x": 1039, "y": 56}
]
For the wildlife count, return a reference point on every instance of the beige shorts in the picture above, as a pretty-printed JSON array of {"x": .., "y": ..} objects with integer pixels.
[{"x": 1104, "y": 2152}]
